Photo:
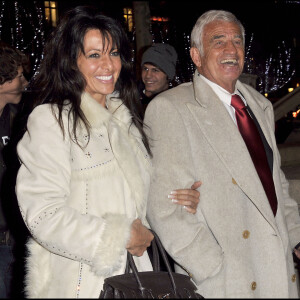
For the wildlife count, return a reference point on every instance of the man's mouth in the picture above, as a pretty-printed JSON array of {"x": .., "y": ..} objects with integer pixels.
[{"x": 229, "y": 61}]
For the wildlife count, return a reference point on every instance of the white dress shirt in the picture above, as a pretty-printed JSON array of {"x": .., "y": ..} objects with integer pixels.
[{"x": 225, "y": 97}]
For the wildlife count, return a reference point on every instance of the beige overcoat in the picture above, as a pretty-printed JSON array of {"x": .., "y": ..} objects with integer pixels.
[{"x": 233, "y": 246}]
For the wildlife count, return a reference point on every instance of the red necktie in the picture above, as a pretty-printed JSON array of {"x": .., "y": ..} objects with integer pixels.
[{"x": 256, "y": 149}]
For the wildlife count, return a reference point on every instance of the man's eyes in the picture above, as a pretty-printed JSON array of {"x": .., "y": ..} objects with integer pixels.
[
  {"x": 238, "y": 42},
  {"x": 221, "y": 42}
]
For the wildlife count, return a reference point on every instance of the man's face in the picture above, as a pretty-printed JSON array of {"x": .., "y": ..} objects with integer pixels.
[
  {"x": 223, "y": 58},
  {"x": 155, "y": 80},
  {"x": 11, "y": 91}
]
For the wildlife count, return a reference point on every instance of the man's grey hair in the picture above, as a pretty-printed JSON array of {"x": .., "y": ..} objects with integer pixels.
[{"x": 208, "y": 17}]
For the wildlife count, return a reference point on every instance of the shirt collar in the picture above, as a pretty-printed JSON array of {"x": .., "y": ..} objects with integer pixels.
[{"x": 222, "y": 94}]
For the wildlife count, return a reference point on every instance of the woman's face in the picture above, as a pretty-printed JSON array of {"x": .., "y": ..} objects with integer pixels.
[{"x": 100, "y": 67}]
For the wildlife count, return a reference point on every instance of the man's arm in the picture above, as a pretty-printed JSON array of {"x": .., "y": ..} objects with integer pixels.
[{"x": 185, "y": 236}]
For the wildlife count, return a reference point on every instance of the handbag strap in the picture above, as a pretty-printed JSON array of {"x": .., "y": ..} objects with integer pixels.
[
  {"x": 165, "y": 259},
  {"x": 155, "y": 259},
  {"x": 135, "y": 271},
  {"x": 157, "y": 249},
  {"x": 155, "y": 256}
]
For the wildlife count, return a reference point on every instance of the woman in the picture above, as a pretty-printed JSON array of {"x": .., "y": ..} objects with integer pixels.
[{"x": 83, "y": 183}]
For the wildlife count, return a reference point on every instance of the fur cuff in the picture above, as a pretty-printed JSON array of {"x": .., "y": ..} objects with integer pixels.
[
  {"x": 108, "y": 256},
  {"x": 37, "y": 270}
]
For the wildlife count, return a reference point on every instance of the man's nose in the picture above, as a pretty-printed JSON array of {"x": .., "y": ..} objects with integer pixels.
[
  {"x": 148, "y": 74},
  {"x": 24, "y": 82}
]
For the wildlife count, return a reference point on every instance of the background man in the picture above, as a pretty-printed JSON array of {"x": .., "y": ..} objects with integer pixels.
[
  {"x": 12, "y": 83},
  {"x": 240, "y": 242},
  {"x": 158, "y": 70}
]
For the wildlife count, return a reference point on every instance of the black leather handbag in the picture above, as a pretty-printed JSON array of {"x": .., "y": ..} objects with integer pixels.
[{"x": 154, "y": 284}]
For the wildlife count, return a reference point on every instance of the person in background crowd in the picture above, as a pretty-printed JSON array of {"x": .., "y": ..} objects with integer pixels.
[
  {"x": 83, "y": 183},
  {"x": 12, "y": 84},
  {"x": 240, "y": 242},
  {"x": 158, "y": 70}
]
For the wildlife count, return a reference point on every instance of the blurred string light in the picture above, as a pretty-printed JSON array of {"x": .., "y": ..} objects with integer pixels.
[
  {"x": 22, "y": 26},
  {"x": 164, "y": 32},
  {"x": 25, "y": 24},
  {"x": 1, "y": 16},
  {"x": 280, "y": 69},
  {"x": 248, "y": 59},
  {"x": 186, "y": 63},
  {"x": 274, "y": 72}
]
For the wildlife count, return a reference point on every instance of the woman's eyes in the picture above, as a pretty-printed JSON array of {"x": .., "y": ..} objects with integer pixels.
[
  {"x": 97, "y": 55},
  {"x": 94, "y": 55},
  {"x": 115, "y": 53}
]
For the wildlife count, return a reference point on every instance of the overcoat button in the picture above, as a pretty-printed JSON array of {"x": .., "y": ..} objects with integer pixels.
[
  {"x": 253, "y": 286},
  {"x": 233, "y": 181},
  {"x": 294, "y": 278},
  {"x": 246, "y": 234}
]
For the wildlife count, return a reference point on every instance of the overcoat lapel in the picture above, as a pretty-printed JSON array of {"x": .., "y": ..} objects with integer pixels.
[
  {"x": 223, "y": 136},
  {"x": 258, "y": 110}
]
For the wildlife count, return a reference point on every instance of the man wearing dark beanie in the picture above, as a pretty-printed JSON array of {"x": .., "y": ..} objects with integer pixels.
[{"x": 158, "y": 70}]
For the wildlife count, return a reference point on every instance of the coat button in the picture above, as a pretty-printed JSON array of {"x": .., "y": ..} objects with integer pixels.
[
  {"x": 253, "y": 286},
  {"x": 294, "y": 278},
  {"x": 233, "y": 181},
  {"x": 246, "y": 234}
]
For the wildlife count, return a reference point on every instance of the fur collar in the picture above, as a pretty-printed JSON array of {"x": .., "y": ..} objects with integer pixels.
[
  {"x": 97, "y": 114},
  {"x": 126, "y": 143}
]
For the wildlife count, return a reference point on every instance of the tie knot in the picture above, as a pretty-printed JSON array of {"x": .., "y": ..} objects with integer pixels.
[{"x": 237, "y": 102}]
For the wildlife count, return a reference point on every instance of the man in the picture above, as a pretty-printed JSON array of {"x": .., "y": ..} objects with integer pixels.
[
  {"x": 240, "y": 242},
  {"x": 12, "y": 84},
  {"x": 158, "y": 70}
]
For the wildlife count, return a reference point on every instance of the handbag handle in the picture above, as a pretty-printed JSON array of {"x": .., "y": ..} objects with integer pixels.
[
  {"x": 155, "y": 258},
  {"x": 156, "y": 245}
]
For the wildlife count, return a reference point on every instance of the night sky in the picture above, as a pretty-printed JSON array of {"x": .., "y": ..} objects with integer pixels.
[{"x": 269, "y": 21}]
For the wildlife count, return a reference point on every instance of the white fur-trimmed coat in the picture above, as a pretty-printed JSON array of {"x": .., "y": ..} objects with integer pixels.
[{"x": 79, "y": 203}]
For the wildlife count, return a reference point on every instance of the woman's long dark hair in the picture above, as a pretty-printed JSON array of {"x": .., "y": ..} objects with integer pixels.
[{"x": 59, "y": 78}]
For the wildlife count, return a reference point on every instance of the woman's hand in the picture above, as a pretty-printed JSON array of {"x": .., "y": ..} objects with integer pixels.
[
  {"x": 189, "y": 198},
  {"x": 140, "y": 238}
]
